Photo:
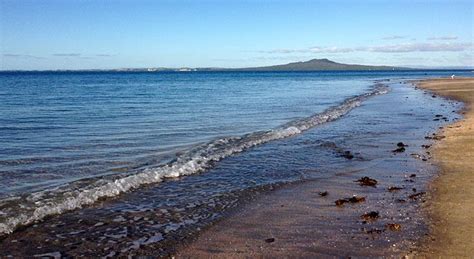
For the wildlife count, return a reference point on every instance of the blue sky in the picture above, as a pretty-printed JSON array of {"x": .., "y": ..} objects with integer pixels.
[{"x": 79, "y": 34}]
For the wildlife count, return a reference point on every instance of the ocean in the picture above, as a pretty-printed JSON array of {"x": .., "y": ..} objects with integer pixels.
[{"x": 184, "y": 145}]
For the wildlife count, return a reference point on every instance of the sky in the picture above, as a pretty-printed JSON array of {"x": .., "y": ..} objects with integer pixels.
[{"x": 105, "y": 34}]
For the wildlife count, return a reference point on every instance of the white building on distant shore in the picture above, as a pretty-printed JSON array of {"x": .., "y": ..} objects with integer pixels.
[{"x": 186, "y": 69}]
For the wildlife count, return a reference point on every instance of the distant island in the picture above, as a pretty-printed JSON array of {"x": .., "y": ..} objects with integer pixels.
[
  {"x": 319, "y": 65},
  {"x": 310, "y": 65}
]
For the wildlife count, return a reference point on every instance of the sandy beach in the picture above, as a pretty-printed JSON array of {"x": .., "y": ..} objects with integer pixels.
[
  {"x": 452, "y": 206},
  {"x": 304, "y": 221},
  {"x": 287, "y": 224}
]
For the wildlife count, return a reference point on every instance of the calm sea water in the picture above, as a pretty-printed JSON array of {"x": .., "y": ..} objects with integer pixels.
[
  {"x": 68, "y": 139},
  {"x": 60, "y": 127}
]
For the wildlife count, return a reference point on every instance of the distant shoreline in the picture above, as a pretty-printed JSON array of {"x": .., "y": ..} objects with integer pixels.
[
  {"x": 313, "y": 65},
  {"x": 144, "y": 70}
]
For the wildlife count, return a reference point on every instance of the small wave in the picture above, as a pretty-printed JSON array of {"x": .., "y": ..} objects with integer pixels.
[{"x": 18, "y": 211}]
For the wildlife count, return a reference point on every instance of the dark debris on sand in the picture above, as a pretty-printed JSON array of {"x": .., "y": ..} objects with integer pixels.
[
  {"x": 366, "y": 181},
  {"x": 323, "y": 194},
  {"x": 270, "y": 240},
  {"x": 370, "y": 216},
  {"x": 394, "y": 188},
  {"x": 347, "y": 155},
  {"x": 401, "y": 144},
  {"x": 417, "y": 196},
  {"x": 400, "y": 148},
  {"x": 354, "y": 199},
  {"x": 394, "y": 226}
]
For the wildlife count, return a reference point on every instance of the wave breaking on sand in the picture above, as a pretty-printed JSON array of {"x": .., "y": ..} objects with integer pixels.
[{"x": 23, "y": 210}]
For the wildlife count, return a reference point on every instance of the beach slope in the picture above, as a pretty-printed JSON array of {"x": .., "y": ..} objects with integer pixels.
[
  {"x": 369, "y": 205},
  {"x": 452, "y": 206}
]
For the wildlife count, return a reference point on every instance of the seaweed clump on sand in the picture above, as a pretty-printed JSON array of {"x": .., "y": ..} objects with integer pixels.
[
  {"x": 394, "y": 188},
  {"x": 370, "y": 216},
  {"x": 367, "y": 181},
  {"x": 394, "y": 227},
  {"x": 400, "y": 148},
  {"x": 354, "y": 199}
]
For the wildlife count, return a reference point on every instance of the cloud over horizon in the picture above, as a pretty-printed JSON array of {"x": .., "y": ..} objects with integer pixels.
[
  {"x": 394, "y": 37},
  {"x": 66, "y": 54},
  {"x": 392, "y": 48},
  {"x": 80, "y": 55},
  {"x": 443, "y": 38},
  {"x": 10, "y": 55}
]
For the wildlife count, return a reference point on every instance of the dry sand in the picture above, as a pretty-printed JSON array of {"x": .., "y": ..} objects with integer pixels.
[{"x": 452, "y": 206}]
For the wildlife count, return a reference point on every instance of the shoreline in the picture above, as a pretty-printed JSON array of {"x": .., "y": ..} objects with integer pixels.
[
  {"x": 451, "y": 208},
  {"x": 299, "y": 221},
  {"x": 276, "y": 223},
  {"x": 24, "y": 211}
]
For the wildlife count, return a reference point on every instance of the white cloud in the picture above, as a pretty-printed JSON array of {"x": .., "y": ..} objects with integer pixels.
[
  {"x": 79, "y": 55},
  {"x": 394, "y": 37},
  {"x": 316, "y": 49},
  {"x": 444, "y": 38},
  {"x": 271, "y": 58},
  {"x": 330, "y": 50},
  {"x": 421, "y": 47},
  {"x": 285, "y": 51},
  {"x": 9, "y": 55},
  {"x": 392, "y": 48},
  {"x": 67, "y": 54}
]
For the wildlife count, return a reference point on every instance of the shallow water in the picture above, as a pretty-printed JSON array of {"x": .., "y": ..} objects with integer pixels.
[
  {"x": 56, "y": 128},
  {"x": 60, "y": 127},
  {"x": 159, "y": 216}
]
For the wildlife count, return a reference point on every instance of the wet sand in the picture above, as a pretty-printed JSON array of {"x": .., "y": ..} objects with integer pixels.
[
  {"x": 299, "y": 222},
  {"x": 452, "y": 206}
]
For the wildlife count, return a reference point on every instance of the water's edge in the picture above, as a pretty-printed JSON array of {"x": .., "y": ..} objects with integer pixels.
[
  {"x": 24, "y": 210},
  {"x": 409, "y": 247}
]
